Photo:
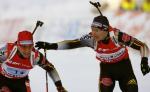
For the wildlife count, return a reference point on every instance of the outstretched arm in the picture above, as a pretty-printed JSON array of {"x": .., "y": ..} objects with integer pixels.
[
  {"x": 52, "y": 72},
  {"x": 67, "y": 44},
  {"x": 84, "y": 41}
]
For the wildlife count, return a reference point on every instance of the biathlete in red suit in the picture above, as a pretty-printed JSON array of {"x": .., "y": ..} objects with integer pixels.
[
  {"x": 110, "y": 45},
  {"x": 17, "y": 59}
]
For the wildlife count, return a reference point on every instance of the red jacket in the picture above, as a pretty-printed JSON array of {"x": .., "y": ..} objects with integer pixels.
[
  {"x": 111, "y": 52},
  {"x": 15, "y": 66}
]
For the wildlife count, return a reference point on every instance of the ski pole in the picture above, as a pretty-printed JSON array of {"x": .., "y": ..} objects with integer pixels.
[
  {"x": 40, "y": 23},
  {"x": 46, "y": 73}
]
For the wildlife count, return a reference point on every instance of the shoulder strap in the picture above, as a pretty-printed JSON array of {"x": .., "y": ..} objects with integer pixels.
[
  {"x": 12, "y": 52},
  {"x": 112, "y": 36},
  {"x": 32, "y": 58}
]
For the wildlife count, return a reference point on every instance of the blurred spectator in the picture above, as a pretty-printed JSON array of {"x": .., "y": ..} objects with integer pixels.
[
  {"x": 128, "y": 5},
  {"x": 146, "y": 6}
]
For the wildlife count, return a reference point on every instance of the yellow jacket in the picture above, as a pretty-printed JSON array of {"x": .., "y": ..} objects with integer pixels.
[
  {"x": 146, "y": 6},
  {"x": 125, "y": 5}
]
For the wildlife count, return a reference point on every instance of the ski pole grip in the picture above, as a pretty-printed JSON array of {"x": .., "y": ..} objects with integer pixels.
[
  {"x": 38, "y": 23},
  {"x": 97, "y": 5}
]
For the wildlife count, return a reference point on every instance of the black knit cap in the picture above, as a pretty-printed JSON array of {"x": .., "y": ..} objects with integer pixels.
[{"x": 101, "y": 22}]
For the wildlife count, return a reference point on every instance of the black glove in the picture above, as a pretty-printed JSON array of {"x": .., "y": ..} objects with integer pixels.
[
  {"x": 46, "y": 45},
  {"x": 61, "y": 89},
  {"x": 144, "y": 66},
  {"x": 59, "y": 86}
]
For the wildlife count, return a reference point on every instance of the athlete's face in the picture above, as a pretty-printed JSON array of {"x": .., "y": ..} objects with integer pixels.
[
  {"x": 25, "y": 50},
  {"x": 98, "y": 34}
]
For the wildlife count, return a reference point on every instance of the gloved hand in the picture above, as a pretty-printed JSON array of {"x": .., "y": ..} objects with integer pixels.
[
  {"x": 61, "y": 89},
  {"x": 144, "y": 66},
  {"x": 45, "y": 45}
]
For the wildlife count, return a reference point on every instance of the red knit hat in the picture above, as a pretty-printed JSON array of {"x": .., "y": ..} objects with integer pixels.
[{"x": 25, "y": 38}]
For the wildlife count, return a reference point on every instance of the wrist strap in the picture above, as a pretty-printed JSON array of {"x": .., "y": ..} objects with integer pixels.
[{"x": 58, "y": 84}]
